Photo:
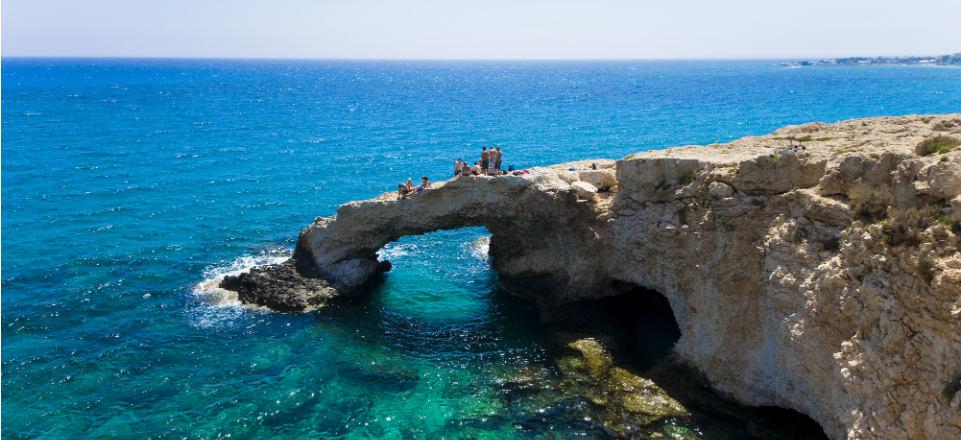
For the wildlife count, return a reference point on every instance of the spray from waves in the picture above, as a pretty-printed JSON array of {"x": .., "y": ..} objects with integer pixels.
[
  {"x": 221, "y": 305},
  {"x": 394, "y": 250},
  {"x": 480, "y": 247}
]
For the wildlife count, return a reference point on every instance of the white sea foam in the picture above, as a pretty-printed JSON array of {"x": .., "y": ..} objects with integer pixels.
[
  {"x": 392, "y": 251},
  {"x": 480, "y": 247},
  {"x": 220, "y": 305}
]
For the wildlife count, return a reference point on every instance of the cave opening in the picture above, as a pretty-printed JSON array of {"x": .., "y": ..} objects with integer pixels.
[
  {"x": 639, "y": 326},
  {"x": 647, "y": 322}
]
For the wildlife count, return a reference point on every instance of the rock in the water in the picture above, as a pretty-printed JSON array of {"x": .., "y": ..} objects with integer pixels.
[
  {"x": 280, "y": 287},
  {"x": 623, "y": 403}
]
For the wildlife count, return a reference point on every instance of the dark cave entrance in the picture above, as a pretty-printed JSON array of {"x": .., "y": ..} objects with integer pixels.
[
  {"x": 638, "y": 325},
  {"x": 637, "y": 322},
  {"x": 646, "y": 323}
]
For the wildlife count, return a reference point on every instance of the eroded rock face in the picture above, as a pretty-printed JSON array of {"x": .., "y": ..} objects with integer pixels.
[{"x": 822, "y": 279}]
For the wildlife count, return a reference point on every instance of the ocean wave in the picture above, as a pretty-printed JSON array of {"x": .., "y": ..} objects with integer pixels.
[{"x": 219, "y": 305}]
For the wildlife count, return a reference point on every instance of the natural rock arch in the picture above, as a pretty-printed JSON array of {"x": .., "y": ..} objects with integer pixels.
[
  {"x": 783, "y": 295},
  {"x": 534, "y": 221}
]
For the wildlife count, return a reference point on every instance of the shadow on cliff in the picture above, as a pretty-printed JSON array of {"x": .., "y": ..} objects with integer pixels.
[{"x": 638, "y": 326}]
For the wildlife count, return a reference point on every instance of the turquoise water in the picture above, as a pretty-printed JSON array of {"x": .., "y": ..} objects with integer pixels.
[{"x": 128, "y": 183}]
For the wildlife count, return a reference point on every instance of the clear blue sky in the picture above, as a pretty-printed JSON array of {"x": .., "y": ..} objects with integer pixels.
[{"x": 499, "y": 29}]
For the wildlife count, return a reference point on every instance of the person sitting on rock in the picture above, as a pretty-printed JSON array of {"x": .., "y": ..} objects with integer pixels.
[
  {"x": 476, "y": 170},
  {"x": 403, "y": 192},
  {"x": 458, "y": 167},
  {"x": 424, "y": 184},
  {"x": 410, "y": 184}
]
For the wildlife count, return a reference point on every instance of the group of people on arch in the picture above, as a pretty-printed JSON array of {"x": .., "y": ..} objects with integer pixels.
[{"x": 488, "y": 165}]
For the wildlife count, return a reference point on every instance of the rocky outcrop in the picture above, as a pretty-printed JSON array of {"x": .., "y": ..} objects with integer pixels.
[{"x": 824, "y": 278}]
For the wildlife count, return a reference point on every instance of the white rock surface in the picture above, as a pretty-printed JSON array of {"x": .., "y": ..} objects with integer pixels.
[{"x": 584, "y": 190}]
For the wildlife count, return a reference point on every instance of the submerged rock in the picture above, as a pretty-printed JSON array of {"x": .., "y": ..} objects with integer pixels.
[
  {"x": 394, "y": 378},
  {"x": 591, "y": 391},
  {"x": 627, "y": 402}
]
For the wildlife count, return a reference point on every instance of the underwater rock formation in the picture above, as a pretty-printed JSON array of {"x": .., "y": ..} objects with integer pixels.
[
  {"x": 617, "y": 402},
  {"x": 816, "y": 269}
]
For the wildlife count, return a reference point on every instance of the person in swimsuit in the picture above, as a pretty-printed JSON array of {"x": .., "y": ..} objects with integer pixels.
[
  {"x": 476, "y": 170},
  {"x": 424, "y": 184},
  {"x": 458, "y": 167},
  {"x": 497, "y": 161},
  {"x": 485, "y": 160}
]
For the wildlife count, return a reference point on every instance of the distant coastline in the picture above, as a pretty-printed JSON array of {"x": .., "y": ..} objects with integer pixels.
[{"x": 939, "y": 60}]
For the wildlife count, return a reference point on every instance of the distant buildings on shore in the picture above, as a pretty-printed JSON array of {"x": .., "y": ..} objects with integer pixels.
[{"x": 943, "y": 60}]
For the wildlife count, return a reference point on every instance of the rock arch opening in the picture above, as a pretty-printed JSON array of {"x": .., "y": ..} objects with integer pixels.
[{"x": 443, "y": 275}]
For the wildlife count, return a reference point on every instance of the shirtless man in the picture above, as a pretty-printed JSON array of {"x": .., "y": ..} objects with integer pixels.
[
  {"x": 424, "y": 184},
  {"x": 497, "y": 161},
  {"x": 485, "y": 160}
]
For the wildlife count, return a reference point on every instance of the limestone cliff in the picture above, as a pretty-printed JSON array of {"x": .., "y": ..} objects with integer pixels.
[{"x": 824, "y": 278}]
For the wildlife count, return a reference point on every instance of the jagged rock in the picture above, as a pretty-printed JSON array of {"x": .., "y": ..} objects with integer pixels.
[
  {"x": 720, "y": 190},
  {"x": 956, "y": 209},
  {"x": 280, "y": 287},
  {"x": 584, "y": 190},
  {"x": 785, "y": 295},
  {"x": 625, "y": 400}
]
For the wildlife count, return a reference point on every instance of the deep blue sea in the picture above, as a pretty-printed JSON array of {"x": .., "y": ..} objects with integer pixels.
[{"x": 128, "y": 183}]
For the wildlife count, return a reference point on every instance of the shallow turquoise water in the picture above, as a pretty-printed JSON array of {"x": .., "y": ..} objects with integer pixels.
[{"x": 128, "y": 183}]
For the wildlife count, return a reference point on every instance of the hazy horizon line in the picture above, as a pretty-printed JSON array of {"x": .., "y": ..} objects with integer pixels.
[{"x": 509, "y": 59}]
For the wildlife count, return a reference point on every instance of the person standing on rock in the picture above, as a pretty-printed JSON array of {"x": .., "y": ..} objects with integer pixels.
[
  {"x": 497, "y": 161},
  {"x": 485, "y": 159}
]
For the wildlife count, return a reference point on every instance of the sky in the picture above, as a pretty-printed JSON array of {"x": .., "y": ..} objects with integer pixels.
[{"x": 486, "y": 29}]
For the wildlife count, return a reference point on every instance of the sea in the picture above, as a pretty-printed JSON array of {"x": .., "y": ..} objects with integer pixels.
[{"x": 129, "y": 186}]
